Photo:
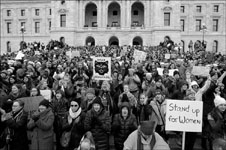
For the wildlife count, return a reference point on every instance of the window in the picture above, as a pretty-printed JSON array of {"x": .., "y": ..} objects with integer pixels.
[
  {"x": 182, "y": 45},
  {"x": 135, "y": 12},
  {"x": 115, "y": 13},
  {"x": 199, "y": 9},
  {"x": 216, "y": 8},
  {"x": 37, "y": 12},
  {"x": 22, "y": 24},
  {"x": 63, "y": 20},
  {"x": 215, "y": 25},
  {"x": 182, "y": 8},
  {"x": 215, "y": 46},
  {"x": 49, "y": 25},
  {"x": 8, "y": 13},
  {"x": 198, "y": 23},
  {"x": 37, "y": 27},
  {"x": 8, "y": 46},
  {"x": 94, "y": 13},
  {"x": 182, "y": 24},
  {"x": 50, "y": 11},
  {"x": 9, "y": 27},
  {"x": 22, "y": 12},
  {"x": 167, "y": 19}
]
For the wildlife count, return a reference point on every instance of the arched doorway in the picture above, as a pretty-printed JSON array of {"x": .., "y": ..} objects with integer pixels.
[
  {"x": 113, "y": 41},
  {"x": 114, "y": 15},
  {"x": 137, "y": 14},
  {"x": 137, "y": 41},
  {"x": 90, "y": 41},
  {"x": 91, "y": 15}
]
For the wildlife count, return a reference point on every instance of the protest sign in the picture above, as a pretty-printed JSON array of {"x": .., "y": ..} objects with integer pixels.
[
  {"x": 160, "y": 71},
  {"x": 171, "y": 71},
  {"x": 167, "y": 56},
  {"x": 68, "y": 53},
  {"x": 37, "y": 53},
  {"x": 183, "y": 115},
  {"x": 47, "y": 94},
  {"x": 19, "y": 56},
  {"x": 31, "y": 104},
  {"x": 75, "y": 53},
  {"x": 11, "y": 62},
  {"x": 102, "y": 68},
  {"x": 200, "y": 71},
  {"x": 139, "y": 56}
]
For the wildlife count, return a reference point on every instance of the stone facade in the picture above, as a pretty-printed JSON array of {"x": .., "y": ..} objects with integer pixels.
[{"x": 105, "y": 22}]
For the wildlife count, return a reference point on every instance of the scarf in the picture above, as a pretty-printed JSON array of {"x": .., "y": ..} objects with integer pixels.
[
  {"x": 139, "y": 143},
  {"x": 74, "y": 115}
]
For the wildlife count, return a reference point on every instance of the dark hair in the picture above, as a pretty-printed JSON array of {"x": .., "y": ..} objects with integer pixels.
[{"x": 21, "y": 103}]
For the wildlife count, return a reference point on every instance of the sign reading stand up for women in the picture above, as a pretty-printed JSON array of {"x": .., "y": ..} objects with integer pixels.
[
  {"x": 102, "y": 68},
  {"x": 184, "y": 115}
]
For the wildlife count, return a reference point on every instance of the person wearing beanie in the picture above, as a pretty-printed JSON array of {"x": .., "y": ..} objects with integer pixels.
[
  {"x": 89, "y": 98},
  {"x": 41, "y": 125},
  {"x": 145, "y": 138},
  {"x": 98, "y": 121},
  {"x": 74, "y": 122},
  {"x": 217, "y": 118},
  {"x": 159, "y": 111},
  {"x": 60, "y": 106},
  {"x": 123, "y": 124}
]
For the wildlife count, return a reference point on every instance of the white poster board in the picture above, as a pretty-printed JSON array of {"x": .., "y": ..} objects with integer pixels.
[
  {"x": 47, "y": 94},
  {"x": 167, "y": 56},
  {"x": 139, "y": 56},
  {"x": 200, "y": 71},
  {"x": 102, "y": 68},
  {"x": 184, "y": 115},
  {"x": 19, "y": 56}
]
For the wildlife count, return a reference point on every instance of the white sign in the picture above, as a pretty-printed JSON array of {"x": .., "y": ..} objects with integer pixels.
[
  {"x": 167, "y": 56},
  {"x": 19, "y": 56},
  {"x": 183, "y": 115},
  {"x": 171, "y": 71},
  {"x": 200, "y": 71},
  {"x": 139, "y": 56},
  {"x": 102, "y": 68},
  {"x": 47, "y": 94}
]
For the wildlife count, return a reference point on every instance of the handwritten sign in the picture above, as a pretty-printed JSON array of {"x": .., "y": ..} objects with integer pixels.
[
  {"x": 183, "y": 115},
  {"x": 31, "y": 104},
  {"x": 47, "y": 94},
  {"x": 200, "y": 71},
  {"x": 139, "y": 56},
  {"x": 102, "y": 68}
]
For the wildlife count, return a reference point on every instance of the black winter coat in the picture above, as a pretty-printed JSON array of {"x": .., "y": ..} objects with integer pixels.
[
  {"x": 76, "y": 132},
  {"x": 100, "y": 126},
  {"x": 122, "y": 128},
  {"x": 18, "y": 130}
]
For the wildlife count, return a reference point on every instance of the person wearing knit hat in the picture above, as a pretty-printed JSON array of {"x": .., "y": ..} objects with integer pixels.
[
  {"x": 40, "y": 125},
  {"x": 145, "y": 138},
  {"x": 90, "y": 91},
  {"x": 98, "y": 121},
  {"x": 217, "y": 118}
]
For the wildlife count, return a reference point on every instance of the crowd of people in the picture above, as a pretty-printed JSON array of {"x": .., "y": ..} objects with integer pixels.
[{"x": 84, "y": 113}]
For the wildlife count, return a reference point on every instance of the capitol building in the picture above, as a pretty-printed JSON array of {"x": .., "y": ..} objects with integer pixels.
[{"x": 113, "y": 22}]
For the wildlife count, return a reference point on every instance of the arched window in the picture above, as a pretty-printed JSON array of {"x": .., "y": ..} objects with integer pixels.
[
  {"x": 8, "y": 46},
  {"x": 137, "y": 41},
  {"x": 91, "y": 15},
  {"x": 113, "y": 41},
  {"x": 215, "y": 46},
  {"x": 182, "y": 46},
  {"x": 114, "y": 15},
  {"x": 137, "y": 15},
  {"x": 90, "y": 41}
]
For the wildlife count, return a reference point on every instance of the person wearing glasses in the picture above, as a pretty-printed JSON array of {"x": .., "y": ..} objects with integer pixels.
[{"x": 74, "y": 122}]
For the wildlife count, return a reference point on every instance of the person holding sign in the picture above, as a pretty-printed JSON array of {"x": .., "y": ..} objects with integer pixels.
[{"x": 217, "y": 119}]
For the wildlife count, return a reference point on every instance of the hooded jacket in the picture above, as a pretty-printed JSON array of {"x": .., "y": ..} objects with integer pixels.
[{"x": 121, "y": 127}]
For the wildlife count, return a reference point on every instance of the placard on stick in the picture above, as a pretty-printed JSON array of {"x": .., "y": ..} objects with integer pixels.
[
  {"x": 184, "y": 115},
  {"x": 200, "y": 71}
]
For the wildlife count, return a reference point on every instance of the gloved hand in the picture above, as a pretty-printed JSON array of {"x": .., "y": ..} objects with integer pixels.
[{"x": 35, "y": 116}]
